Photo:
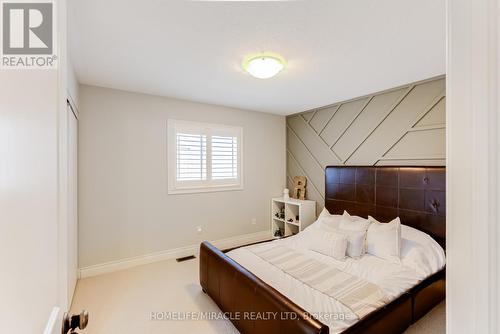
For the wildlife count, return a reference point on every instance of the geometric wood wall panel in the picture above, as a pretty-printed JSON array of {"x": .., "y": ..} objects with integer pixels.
[
  {"x": 307, "y": 115},
  {"x": 306, "y": 161},
  {"x": 375, "y": 111},
  {"x": 294, "y": 169},
  {"x": 414, "y": 106},
  {"x": 310, "y": 139},
  {"x": 412, "y": 162},
  {"x": 436, "y": 116},
  {"x": 341, "y": 120},
  {"x": 321, "y": 118},
  {"x": 403, "y": 126},
  {"x": 419, "y": 144}
]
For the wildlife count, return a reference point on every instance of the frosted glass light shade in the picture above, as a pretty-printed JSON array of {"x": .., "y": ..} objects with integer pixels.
[{"x": 264, "y": 66}]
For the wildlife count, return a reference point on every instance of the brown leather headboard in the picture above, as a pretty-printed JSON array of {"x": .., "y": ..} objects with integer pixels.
[{"x": 415, "y": 194}]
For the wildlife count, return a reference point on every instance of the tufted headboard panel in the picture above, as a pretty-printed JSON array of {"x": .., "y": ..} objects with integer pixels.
[{"x": 415, "y": 194}]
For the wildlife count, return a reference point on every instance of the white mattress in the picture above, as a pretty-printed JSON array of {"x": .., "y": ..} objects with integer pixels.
[{"x": 421, "y": 257}]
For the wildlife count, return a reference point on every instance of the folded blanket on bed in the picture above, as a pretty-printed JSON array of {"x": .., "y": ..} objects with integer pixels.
[{"x": 359, "y": 295}]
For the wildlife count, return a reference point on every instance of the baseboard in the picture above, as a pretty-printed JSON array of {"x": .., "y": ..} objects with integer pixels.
[
  {"x": 53, "y": 325},
  {"x": 117, "y": 265}
]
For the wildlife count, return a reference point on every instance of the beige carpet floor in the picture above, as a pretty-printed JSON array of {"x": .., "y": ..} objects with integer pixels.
[
  {"x": 433, "y": 322},
  {"x": 128, "y": 301}
]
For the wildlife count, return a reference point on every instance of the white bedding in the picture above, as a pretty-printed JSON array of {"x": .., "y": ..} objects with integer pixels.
[{"x": 421, "y": 256}]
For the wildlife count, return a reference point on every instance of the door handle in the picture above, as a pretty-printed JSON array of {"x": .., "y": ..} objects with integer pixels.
[{"x": 75, "y": 321}]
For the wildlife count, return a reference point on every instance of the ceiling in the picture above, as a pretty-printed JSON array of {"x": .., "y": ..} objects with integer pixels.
[{"x": 335, "y": 49}]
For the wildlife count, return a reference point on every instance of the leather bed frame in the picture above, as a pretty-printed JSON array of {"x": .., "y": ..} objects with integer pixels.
[{"x": 415, "y": 194}]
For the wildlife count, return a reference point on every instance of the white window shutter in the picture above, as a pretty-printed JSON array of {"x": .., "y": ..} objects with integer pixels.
[
  {"x": 191, "y": 157},
  {"x": 204, "y": 157},
  {"x": 224, "y": 157}
]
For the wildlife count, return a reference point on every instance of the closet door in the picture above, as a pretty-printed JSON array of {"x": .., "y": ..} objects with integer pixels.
[{"x": 72, "y": 201}]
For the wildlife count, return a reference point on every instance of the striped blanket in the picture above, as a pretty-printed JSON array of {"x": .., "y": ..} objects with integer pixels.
[{"x": 359, "y": 295}]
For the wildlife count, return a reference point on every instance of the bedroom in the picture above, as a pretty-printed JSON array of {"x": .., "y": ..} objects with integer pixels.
[{"x": 249, "y": 166}]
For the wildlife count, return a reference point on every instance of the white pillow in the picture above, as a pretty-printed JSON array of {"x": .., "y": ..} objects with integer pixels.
[
  {"x": 331, "y": 222},
  {"x": 324, "y": 213},
  {"x": 355, "y": 242},
  {"x": 326, "y": 221},
  {"x": 384, "y": 240},
  {"x": 355, "y": 236},
  {"x": 329, "y": 244},
  {"x": 353, "y": 223}
]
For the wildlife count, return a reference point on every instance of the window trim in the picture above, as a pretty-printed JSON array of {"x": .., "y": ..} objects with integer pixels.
[{"x": 201, "y": 186}]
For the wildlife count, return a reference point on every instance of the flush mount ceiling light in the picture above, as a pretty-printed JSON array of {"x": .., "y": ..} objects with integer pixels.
[{"x": 263, "y": 65}]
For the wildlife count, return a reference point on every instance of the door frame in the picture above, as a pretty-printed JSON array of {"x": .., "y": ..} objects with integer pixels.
[{"x": 473, "y": 166}]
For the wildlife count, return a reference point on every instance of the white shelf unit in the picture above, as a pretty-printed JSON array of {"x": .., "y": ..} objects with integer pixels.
[{"x": 288, "y": 210}]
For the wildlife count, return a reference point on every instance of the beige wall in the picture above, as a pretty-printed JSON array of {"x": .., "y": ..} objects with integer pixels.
[
  {"x": 124, "y": 209},
  {"x": 403, "y": 126}
]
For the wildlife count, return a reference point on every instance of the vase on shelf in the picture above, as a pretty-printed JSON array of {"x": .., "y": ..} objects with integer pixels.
[{"x": 286, "y": 193}]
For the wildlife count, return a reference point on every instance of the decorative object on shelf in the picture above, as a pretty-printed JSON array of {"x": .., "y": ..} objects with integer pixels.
[
  {"x": 299, "y": 187},
  {"x": 286, "y": 193},
  {"x": 290, "y": 220},
  {"x": 297, "y": 218},
  {"x": 278, "y": 233}
]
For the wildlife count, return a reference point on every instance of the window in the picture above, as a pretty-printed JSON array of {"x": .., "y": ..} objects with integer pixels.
[{"x": 203, "y": 157}]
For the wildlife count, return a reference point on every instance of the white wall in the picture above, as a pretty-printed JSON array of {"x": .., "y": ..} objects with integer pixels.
[
  {"x": 73, "y": 86},
  {"x": 28, "y": 199},
  {"x": 473, "y": 167},
  {"x": 71, "y": 115},
  {"x": 124, "y": 209},
  {"x": 33, "y": 178}
]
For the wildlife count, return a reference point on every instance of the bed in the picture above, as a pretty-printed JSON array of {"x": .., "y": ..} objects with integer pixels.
[{"x": 259, "y": 298}]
